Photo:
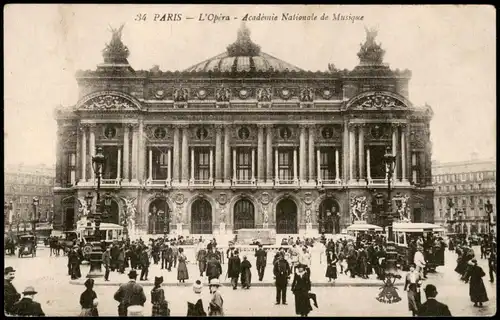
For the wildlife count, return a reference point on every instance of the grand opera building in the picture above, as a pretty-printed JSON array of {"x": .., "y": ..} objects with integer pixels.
[{"x": 244, "y": 140}]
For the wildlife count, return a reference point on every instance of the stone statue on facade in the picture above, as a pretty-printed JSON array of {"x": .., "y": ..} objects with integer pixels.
[
  {"x": 130, "y": 213},
  {"x": 180, "y": 94},
  {"x": 115, "y": 51},
  {"x": 83, "y": 210},
  {"x": 264, "y": 94},
  {"x": 371, "y": 52},
  {"x": 358, "y": 208},
  {"x": 308, "y": 216},
  {"x": 404, "y": 209},
  {"x": 306, "y": 95},
  {"x": 222, "y": 94},
  {"x": 222, "y": 215},
  {"x": 266, "y": 215}
]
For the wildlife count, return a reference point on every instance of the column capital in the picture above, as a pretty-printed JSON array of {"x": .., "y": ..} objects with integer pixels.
[
  {"x": 396, "y": 124},
  {"x": 218, "y": 128},
  {"x": 134, "y": 125}
]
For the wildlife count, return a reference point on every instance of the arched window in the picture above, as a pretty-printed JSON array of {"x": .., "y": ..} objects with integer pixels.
[{"x": 244, "y": 215}]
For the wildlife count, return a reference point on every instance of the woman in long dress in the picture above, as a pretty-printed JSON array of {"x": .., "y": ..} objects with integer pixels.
[
  {"x": 246, "y": 273},
  {"x": 301, "y": 286},
  {"x": 88, "y": 300},
  {"x": 331, "y": 269},
  {"x": 195, "y": 301},
  {"x": 412, "y": 285},
  {"x": 216, "y": 305},
  {"x": 159, "y": 304},
  {"x": 477, "y": 290},
  {"x": 182, "y": 271}
]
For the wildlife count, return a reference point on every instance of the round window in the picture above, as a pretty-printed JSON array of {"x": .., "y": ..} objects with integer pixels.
[
  {"x": 201, "y": 133},
  {"x": 285, "y": 133},
  {"x": 160, "y": 133},
  {"x": 110, "y": 132},
  {"x": 244, "y": 133}
]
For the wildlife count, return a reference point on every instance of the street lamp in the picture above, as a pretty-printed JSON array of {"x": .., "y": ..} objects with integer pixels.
[
  {"x": 488, "y": 207},
  {"x": 35, "y": 218},
  {"x": 96, "y": 255},
  {"x": 390, "y": 161}
]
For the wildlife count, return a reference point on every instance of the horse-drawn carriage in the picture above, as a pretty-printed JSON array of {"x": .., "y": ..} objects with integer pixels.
[{"x": 27, "y": 246}]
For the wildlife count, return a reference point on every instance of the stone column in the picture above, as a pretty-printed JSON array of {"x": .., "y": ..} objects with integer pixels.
[
  {"x": 345, "y": 151},
  {"x": 126, "y": 152},
  {"x": 185, "y": 155},
  {"x": 311, "y": 154},
  {"x": 78, "y": 154},
  {"x": 408, "y": 151},
  {"x": 135, "y": 151},
  {"x": 92, "y": 149},
  {"x": 227, "y": 154},
  {"x": 260, "y": 153},
  {"x": 403, "y": 154},
  {"x": 421, "y": 175},
  {"x": 295, "y": 177},
  {"x": 192, "y": 164},
  {"x": 141, "y": 162},
  {"x": 361, "y": 152},
  {"x": 234, "y": 165},
  {"x": 211, "y": 163},
  {"x": 394, "y": 150},
  {"x": 150, "y": 164},
  {"x": 414, "y": 171},
  {"x": 119, "y": 165},
  {"x": 368, "y": 164},
  {"x": 83, "y": 156},
  {"x": 276, "y": 172},
  {"x": 177, "y": 155},
  {"x": 253, "y": 164},
  {"x": 169, "y": 162},
  {"x": 318, "y": 164},
  {"x": 351, "y": 152},
  {"x": 337, "y": 174},
  {"x": 218, "y": 153},
  {"x": 269, "y": 154},
  {"x": 302, "y": 150}
]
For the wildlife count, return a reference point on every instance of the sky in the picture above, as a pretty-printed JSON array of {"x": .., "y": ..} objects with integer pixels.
[{"x": 449, "y": 49}]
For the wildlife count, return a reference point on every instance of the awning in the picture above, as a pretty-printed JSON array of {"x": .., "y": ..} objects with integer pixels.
[
  {"x": 364, "y": 227},
  {"x": 417, "y": 227}
]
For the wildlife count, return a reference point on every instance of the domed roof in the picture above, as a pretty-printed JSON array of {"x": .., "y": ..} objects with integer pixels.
[{"x": 243, "y": 56}]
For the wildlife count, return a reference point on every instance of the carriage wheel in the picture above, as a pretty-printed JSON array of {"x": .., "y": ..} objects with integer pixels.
[{"x": 87, "y": 250}]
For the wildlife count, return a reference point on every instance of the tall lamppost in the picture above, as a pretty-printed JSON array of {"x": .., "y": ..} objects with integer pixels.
[
  {"x": 35, "y": 218},
  {"x": 391, "y": 253},
  {"x": 488, "y": 207},
  {"x": 96, "y": 255}
]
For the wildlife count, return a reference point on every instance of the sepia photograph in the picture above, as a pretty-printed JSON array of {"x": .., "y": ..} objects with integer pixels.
[{"x": 249, "y": 160}]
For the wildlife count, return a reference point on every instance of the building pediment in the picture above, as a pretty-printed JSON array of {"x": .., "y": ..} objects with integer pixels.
[
  {"x": 378, "y": 100},
  {"x": 108, "y": 101}
]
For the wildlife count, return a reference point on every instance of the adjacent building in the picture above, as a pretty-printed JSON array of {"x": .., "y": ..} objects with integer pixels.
[
  {"x": 462, "y": 190},
  {"x": 244, "y": 140},
  {"x": 22, "y": 183}
]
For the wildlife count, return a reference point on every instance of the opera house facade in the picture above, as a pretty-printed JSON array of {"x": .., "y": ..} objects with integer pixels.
[{"x": 243, "y": 140}]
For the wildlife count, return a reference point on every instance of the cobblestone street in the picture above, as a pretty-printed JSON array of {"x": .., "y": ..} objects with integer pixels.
[{"x": 60, "y": 298}]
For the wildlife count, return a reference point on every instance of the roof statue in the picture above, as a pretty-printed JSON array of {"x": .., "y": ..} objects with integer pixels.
[
  {"x": 243, "y": 45},
  {"x": 115, "y": 51},
  {"x": 371, "y": 53}
]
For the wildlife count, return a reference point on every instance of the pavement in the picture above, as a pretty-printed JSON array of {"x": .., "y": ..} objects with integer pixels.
[{"x": 60, "y": 298}]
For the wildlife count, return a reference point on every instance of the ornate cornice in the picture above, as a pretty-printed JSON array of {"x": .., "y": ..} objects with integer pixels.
[
  {"x": 378, "y": 100},
  {"x": 108, "y": 101}
]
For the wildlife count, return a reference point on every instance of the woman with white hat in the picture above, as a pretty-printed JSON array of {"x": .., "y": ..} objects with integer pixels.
[
  {"x": 215, "y": 306},
  {"x": 88, "y": 300},
  {"x": 195, "y": 301}
]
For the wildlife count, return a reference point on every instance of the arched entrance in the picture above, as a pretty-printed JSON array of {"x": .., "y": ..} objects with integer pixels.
[
  {"x": 69, "y": 218},
  {"x": 286, "y": 217},
  {"x": 329, "y": 216},
  {"x": 244, "y": 214},
  {"x": 201, "y": 217},
  {"x": 158, "y": 217},
  {"x": 111, "y": 211}
]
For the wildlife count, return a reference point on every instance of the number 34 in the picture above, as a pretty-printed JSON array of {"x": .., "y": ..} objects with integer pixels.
[{"x": 140, "y": 17}]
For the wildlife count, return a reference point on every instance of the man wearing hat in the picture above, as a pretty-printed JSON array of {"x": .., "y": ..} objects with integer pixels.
[
  {"x": 261, "y": 256},
  {"x": 282, "y": 273},
  {"x": 10, "y": 294},
  {"x": 432, "y": 307},
  {"x": 26, "y": 306},
  {"x": 233, "y": 269},
  {"x": 129, "y": 294}
]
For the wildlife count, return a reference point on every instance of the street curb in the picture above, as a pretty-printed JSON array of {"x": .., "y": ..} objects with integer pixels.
[{"x": 255, "y": 284}]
